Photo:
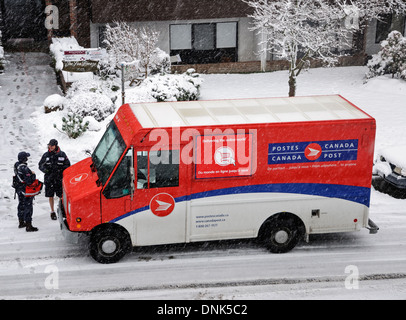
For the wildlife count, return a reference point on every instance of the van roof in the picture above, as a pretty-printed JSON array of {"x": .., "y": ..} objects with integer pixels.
[{"x": 245, "y": 111}]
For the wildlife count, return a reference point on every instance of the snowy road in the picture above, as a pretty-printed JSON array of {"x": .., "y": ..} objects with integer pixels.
[
  {"x": 42, "y": 265},
  {"x": 50, "y": 268}
]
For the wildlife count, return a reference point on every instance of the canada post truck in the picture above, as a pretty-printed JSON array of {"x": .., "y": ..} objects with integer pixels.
[{"x": 275, "y": 169}]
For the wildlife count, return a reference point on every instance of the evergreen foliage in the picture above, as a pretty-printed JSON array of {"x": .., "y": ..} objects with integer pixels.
[
  {"x": 391, "y": 59},
  {"x": 73, "y": 126}
]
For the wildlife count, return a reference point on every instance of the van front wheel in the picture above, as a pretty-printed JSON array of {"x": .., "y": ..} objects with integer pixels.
[{"x": 109, "y": 244}]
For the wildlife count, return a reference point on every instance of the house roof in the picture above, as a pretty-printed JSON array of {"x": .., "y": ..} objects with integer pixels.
[
  {"x": 245, "y": 111},
  {"x": 104, "y": 11}
]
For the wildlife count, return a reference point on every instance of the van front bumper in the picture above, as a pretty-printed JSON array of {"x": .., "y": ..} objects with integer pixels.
[{"x": 70, "y": 237}]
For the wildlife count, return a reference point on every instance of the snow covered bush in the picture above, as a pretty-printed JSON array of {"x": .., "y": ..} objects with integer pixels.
[
  {"x": 93, "y": 98},
  {"x": 96, "y": 105},
  {"x": 54, "y": 102},
  {"x": 106, "y": 87},
  {"x": 160, "y": 62},
  {"x": 175, "y": 87},
  {"x": 391, "y": 59},
  {"x": 73, "y": 126},
  {"x": 135, "y": 47}
]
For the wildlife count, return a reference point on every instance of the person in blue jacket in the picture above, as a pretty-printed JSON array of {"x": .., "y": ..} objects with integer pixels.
[
  {"x": 52, "y": 164},
  {"x": 25, "y": 204}
]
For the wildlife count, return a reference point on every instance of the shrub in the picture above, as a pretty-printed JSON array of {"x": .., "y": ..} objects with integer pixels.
[
  {"x": 391, "y": 59},
  {"x": 92, "y": 98},
  {"x": 105, "y": 87},
  {"x": 73, "y": 127},
  {"x": 54, "y": 102},
  {"x": 92, "y": 104},
  {"x": 175, "y": 87}
]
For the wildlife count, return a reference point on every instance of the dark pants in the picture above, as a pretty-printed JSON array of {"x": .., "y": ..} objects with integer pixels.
[{"x": 25, "y": 207}]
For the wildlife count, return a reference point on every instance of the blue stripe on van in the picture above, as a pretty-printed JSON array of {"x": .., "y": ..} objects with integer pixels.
[{"x": 356, "y": 194}]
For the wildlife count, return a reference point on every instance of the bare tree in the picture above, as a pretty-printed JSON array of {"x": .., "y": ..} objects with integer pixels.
[{"x": 135, "y": 47}]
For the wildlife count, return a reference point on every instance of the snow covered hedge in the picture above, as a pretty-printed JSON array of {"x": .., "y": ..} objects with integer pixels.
[
  {"x": 86, "y": 103},
  {"x": 93, "y": 98},
  {"x": 391, "y": 59},
  {"x": 91, "y": 104},
  {"x": 174, "y": 87}
]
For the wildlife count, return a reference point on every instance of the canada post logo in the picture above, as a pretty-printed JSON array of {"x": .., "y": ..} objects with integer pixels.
[{"x": 313, "y": 151}]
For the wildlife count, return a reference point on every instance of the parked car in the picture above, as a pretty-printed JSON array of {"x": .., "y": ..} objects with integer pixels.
[{"x": 391, "y": 165}]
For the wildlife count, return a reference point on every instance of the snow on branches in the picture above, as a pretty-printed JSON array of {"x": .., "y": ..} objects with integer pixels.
[
  {"x": 391, "y": 59},
  {"x": 136, "y": 47},
  {"x": 300, "y": 30},
  {"x": 372, "y": 9}
]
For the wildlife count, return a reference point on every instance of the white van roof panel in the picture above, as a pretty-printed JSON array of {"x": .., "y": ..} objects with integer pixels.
[{"x": 245, "y": 111}]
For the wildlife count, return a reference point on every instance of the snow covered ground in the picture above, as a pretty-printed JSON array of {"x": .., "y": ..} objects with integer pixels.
[{"x": 42, "y": 265}]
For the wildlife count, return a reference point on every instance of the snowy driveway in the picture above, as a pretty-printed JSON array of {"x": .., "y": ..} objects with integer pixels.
[
  {"x": 42, "y": 265},
  {"x": 27, "y": 81}
]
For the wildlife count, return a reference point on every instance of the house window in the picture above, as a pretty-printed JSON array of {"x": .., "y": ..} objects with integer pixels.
[
  {"x": 181, "y": 36},
  {"x": 204, "y": 42},
  {"x": 226, "y": 35},
  {"x": 102, "y": 37},
  {"x": 383, "y": 28},
  {"x": 204, "y": 36}
]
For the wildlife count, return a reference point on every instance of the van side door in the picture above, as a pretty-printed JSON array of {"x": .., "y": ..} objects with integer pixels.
[{"x": 160, "y": 196}]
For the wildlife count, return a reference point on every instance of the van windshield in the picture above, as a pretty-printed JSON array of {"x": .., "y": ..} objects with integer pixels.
[{"x": 108, "y": 152}]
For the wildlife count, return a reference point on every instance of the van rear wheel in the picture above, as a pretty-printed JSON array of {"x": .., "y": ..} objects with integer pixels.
[
  {"x": 109, "y": 244},
  {"x": 280, "y": 235}
]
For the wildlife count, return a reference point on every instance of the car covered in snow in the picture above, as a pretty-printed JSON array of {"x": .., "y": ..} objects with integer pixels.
[{"x": 391, "y": 165}]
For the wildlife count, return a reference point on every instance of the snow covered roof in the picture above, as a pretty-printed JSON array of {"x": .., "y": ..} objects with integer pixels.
[{"x": 245, "y": 111}]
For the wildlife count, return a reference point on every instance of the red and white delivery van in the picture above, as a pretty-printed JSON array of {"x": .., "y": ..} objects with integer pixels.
[{"x": 276, "y": 169}]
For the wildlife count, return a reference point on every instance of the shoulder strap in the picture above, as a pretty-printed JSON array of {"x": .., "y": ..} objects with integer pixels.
[{"x": 17, "y": 173}]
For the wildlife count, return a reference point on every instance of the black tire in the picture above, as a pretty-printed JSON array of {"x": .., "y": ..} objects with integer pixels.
[
  {"x": 280, "y": 235},
  {"x": 109, "y": 244}
]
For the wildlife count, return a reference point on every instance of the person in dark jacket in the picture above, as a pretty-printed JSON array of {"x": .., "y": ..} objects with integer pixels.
[
  {"x": 25, "y": 204},
  {"x": 52, "y": 164}
]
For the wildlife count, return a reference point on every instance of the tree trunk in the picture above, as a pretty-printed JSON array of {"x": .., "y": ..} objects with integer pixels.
[{"x": 292, "y": 84}]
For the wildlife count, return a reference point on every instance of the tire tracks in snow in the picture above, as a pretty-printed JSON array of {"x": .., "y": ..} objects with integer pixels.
[{"x": 244, "y": 283}]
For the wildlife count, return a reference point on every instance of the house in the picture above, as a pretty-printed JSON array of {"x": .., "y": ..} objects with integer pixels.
[
  {"x": 212, "y": 35},
  {"x": 19, "y": 22}
]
